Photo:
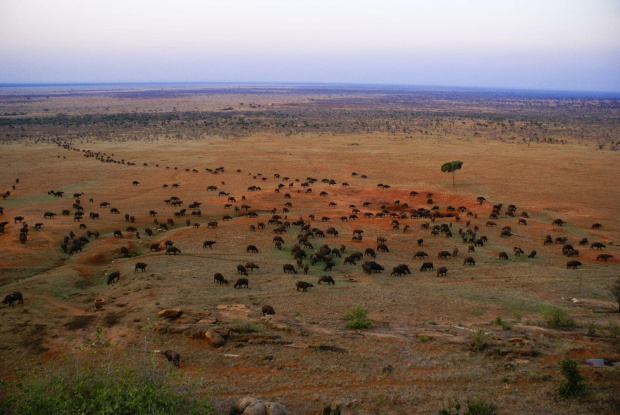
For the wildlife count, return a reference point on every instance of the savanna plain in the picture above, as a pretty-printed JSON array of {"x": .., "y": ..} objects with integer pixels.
[{"x": 355, "y": 168}]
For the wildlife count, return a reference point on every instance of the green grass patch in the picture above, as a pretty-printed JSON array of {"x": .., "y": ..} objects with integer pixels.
[
  {"x": 128, "y": 386},
  {"x": 358, "y": 318}
]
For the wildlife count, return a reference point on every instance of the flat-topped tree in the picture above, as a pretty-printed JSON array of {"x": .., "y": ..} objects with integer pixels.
[{"x": 451, "y": 167}]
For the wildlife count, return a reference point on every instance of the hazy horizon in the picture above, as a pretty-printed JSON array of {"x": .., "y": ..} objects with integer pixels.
[{"x": 523, "y": 45}]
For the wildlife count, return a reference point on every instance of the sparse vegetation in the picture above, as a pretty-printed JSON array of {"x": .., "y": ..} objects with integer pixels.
[
  {"x": 478, "y": 341},
  {"x": 557, "y": 318},
  {"x": 615, "y": 292},
  {"x": 126, "y": 387},
  {"x": 471, "y": 407},
  {"x": 358, "y": 318},
  {"x": 574, "y": 384}
]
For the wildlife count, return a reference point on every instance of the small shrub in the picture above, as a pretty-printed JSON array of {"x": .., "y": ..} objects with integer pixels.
[
  {"x": 243, "y": 326},
  {"x": 328, "y": 410},
  {"x": 574, "y": 384},
  {"x": 424, "y": 339},
  {"x": 557, "y": 318},
  {"x": 478, "y": 341},
  {"x": 358, "y": 319},
  {"x": 472, "y": 407},
  {"x": 504, "y": 324}
]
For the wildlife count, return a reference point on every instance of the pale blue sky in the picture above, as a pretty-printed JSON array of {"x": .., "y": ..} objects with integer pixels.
[{"x": 536, "y": 44}]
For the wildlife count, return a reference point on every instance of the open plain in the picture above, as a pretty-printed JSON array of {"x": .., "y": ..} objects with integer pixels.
[{"x": 331, "y": 157}]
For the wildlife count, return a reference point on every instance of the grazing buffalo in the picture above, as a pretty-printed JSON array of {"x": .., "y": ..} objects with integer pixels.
[
  {"x": 382, "y": 248},
  {"x": 326, "y": 279},
  {"x": 219, "y": 278},
  {"x": 251, "y": 248},
  {"x": 598, "y": 246},
  {"x": 173, "y": 357},
  {"x": 18, "y": 219},
  {"x": 596, "y": 226},
  {"x": 125, "y": 251},
  {"x": 23, "y": 237},
  {"x": 442, "y": 271},
  {"x": 50, "y": 215},
  {"x": 604, "y": 257},
  {"x": 558, "y": 222},
  {"x": 573, "y": 264},
  {"x": 116, "y": 275},
  {"x": 420, "y": 255},
  {"x": 444, "y": 255},
  {"x": 532, "y": 254},
  {"x": 469, "y": 261},
  {"x": 11, "y": 298},
  {"x": 267, "y": 309},
  {"x": 303, "y": 285},
  {"x": 241, "y": 270},
  {"x": 251, "y": 266},
  {"x": 399, "y": 270},
  {"x": 140, "y": 266},
  {"x": 242, "y": 282},
  {"x": 306, "y": 269},
  {"x": 503, "y": 255},
  {"x": 173, "y": 250},
  {"x": 584, "y": 241},
  {"x": 208, "y": 244},
  {"x": 289, "y": 268},
  {"x": 427, "y": 266},
  {"x": 118, "y": 233},
  {"x": 155, "y": 247}
]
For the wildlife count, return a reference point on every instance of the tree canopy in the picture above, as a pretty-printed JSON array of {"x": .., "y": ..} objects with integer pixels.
[{"x": 451, "y": 167}]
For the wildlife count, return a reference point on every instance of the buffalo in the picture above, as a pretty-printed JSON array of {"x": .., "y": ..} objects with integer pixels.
[
  {"x": 140, "y": 266},
  {"x": 219, "y": 278},
  {"x": 173, "y": 250},
  {"x": 172, "y": 356},
  {"x": 289, "y": 268},
  {"x": 326, "y": 279},
  {"x": 116, "y": 275},
  {"x": 303, "y": 285},
  {"x": 251, "y": 248},
  {"x": 242, "y": 282},
  {"x": 573, "y": 264},
  {"x": 442, "y": 271},
  {"x": 11, "y": 298},
  {"x": 267, "y": 309},
  {"x": 427, "y": 266}
]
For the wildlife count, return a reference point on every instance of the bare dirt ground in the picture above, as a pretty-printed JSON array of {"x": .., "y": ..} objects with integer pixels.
[{"x": 415, "y": 356}]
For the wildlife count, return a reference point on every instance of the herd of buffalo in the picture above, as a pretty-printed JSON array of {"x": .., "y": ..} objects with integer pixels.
[{"x": 457, "y": 225}]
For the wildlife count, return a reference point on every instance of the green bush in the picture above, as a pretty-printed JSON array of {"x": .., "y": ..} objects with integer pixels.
[
  {"x": 357, "y": 317},
  {"x": 574, "y": 385},
  {"x": 478, "y": 341},
  {"x": 127, "y": 387},
  {"x": 557, "y": 318},
  {"x": 504, "y": 324},
  {"x": 472, "y": 407}
]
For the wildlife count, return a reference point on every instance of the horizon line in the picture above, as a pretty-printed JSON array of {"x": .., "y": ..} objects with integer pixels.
[{"x": 310, "y": 83}]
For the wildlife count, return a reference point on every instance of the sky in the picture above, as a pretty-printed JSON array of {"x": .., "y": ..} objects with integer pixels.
[{"x": 517, "y": 44}]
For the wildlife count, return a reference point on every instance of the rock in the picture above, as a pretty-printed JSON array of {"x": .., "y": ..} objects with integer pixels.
[
  {"x": 209, "y": 320},
  {"x": 214, "y": 339},
  {"x": 253, "y": 406},
  {"x": 177, "y": 328},
  {"x": 170, "y": 313},
  {"x": 516, "y": 340}
]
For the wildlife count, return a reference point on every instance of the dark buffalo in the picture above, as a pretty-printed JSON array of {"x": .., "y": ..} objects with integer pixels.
[
  {"x": 326, "y": 279},
  {"x": 289, "y": 268},
  {"x": 267, "y": 309},
  {"x": 503, "y": 255},
  {"x": 420, "y": 255},
  {"x": 598, "y": 246},
  {"x": 116, "y": 275},
  {"x": 532, "y": 254},
  {"x": 303, "y": 285},
  {"x": 140, "y": 266},
  {"x": 219, "y": 278},
  {"x": 427, "y": 266},
  {"x": 242, "y": 282},
  {"x": 11, "y": 298},
  {"x": 172, "y": 356},
  {"x": 573, "y": 264},
  {"x": 442, "y": 271},
  {"x": 251, "y": 266},
  {"x": 173, "y": 250},
  {"x": 241, "y": 270},
  {"x": 604, "y": 257},
  {"x": 469, "y": 261},
  {"x": 251, "y": 248},
  {"x": 444, "y": 255}
]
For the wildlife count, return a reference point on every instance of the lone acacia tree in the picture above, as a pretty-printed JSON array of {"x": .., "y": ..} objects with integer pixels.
[{"x": 451, "y": 167}]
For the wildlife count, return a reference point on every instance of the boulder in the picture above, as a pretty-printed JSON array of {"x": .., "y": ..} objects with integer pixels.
[
  {"x": 254, "y": 406},
  {"x": 214, "y": 338},
  {"x": 170, "y": 313}
]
